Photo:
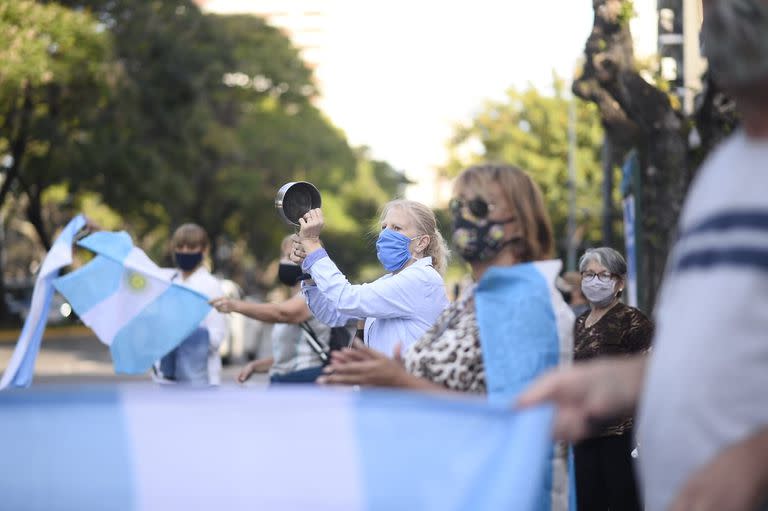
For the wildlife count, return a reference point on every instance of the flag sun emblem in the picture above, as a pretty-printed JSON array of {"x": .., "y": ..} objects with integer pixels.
[{"x": 136, "y": 281}]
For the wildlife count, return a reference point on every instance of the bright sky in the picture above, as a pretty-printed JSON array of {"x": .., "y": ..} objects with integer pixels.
[{"x": 397, "y": 75}]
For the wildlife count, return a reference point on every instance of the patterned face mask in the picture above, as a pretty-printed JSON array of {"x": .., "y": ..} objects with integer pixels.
[{"x": 479, "y": 240}]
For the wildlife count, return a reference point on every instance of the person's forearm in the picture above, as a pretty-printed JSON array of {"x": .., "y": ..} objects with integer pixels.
[
  {"x": 635, "y": 367},
  {"x": 757, "y": 446},
  {"x": 267, "y": 312},
  {"x": 311, "y": 245}
]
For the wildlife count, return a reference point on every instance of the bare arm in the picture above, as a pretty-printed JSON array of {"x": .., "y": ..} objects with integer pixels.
[
  {"x": 293, "y": 310},
  {"x": 589, "y": 393},
  {"x": 736, "y": 479}
]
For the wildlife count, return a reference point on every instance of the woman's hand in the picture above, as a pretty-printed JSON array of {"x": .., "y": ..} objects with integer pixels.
[
  {"x": 361, "y": 365},
  {"x": 225, "y": 305},
  {"x": 310, "y": 225}
]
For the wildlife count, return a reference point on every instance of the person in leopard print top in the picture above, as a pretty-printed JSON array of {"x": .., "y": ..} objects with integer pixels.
[{"x": 499, "y": 219}]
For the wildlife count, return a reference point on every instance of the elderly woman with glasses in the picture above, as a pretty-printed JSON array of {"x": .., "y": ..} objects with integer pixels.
[{"x": 604, "y": 475}]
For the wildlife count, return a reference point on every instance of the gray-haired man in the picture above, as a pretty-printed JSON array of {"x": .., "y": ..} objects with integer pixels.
[{"x": 703, "y": 392}]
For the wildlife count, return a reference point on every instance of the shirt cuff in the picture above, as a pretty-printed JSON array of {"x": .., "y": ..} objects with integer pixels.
[{"x": 313, "y": 258}]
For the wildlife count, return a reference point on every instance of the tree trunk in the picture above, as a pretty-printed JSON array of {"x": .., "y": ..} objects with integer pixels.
[
  {"x": 35, "y": 215},
  {"x": 637, "y": 115},
  {"x": 18, "y": 145}
]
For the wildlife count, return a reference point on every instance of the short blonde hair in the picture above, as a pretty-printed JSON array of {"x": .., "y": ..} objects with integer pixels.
[
  {"x": 525, "y": 201},
  {"x": 424, "y": 222},
  {"x": 190, "y": 235}
]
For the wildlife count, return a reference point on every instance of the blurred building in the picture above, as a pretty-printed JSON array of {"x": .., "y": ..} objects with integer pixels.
[
  {"x": 304, "y": 22},
  {"x": 669, "y": 31}
]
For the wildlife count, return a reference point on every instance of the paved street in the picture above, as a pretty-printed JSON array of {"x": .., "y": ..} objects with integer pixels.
[{"x": 78, "y": 357}]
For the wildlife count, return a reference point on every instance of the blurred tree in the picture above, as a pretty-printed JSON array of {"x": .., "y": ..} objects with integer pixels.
[
  {"x": 52, "y": 58},
  {"x": 529, "y": 129},
  {"x": 171, "y": 115},
  {"x": 639, "y": 115},
  {"x": 53, "y": 80}
]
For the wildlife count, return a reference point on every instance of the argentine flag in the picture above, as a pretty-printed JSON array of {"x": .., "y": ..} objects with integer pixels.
[
  {"x": 525, "y": 330},
  {"x": 21, "y": 367},
  {"x": 131, "y": 448},
  {"x": 130, "y": 303}
]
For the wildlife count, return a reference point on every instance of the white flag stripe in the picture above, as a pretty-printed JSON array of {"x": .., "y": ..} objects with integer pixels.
[
  {"x": 332, "y": 423},
  {"x": 137, "y": 260},
  {"x": 109, "y": 316},
  {"x": 58, "y": 257}
]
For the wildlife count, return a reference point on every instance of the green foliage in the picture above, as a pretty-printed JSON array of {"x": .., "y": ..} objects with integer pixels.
[
  {"x": 529, "y": 129},
  {"x": 627, "y": 12},
  {"x": 146, "y": 114}
]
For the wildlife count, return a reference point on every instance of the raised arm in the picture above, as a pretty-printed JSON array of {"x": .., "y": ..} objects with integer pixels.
[{"x": 323, "y": 309}]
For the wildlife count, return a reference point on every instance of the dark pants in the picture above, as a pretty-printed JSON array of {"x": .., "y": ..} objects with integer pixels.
[
  {"x": 302, "y": 376},
  {"x": 605, "y": 477}
]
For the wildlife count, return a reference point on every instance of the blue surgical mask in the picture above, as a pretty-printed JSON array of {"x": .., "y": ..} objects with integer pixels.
[{"x": 392, "y": 249}]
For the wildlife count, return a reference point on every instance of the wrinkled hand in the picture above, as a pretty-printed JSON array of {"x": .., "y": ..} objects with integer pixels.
[
  {"x": 587, "y": 394},
  {"x": 224, "y": 304},
  {"x": 298, "y": 253},
  {"x": 361, "y": 365},
  {"x": 310, "y": 225},
  {"x": 733, "y": 481}
]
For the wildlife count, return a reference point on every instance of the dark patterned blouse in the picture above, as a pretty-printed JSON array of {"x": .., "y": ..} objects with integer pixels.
[{"x": 622, "y": 330}]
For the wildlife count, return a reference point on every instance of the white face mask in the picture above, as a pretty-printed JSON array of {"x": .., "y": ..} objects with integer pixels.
[{"x": 599, "y": 293}]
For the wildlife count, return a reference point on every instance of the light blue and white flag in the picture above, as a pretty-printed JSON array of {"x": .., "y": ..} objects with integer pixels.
[
  {"x": 525, "y": 330},
  {"x": 147, "y": 448},
  {"x": 130, "y": 303},
  {"x": 21, "y": 367}
]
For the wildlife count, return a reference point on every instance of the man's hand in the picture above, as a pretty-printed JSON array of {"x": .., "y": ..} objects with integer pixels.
[
  {"x": 587, "y": 394},
  {"x": 735, "y": 480},
  {"x": 364, "y": 366},
  {"x": 224, "y": 304}
]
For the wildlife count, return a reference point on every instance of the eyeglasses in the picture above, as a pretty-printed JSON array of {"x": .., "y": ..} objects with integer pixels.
[
  {"x": 603, "y": 276},
  {"x": 478, "y": 207}
]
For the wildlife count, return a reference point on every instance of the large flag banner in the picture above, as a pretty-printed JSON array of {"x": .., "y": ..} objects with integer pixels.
[
  {"x": 130, "y": 303},
  {"x": 525, "y": 330},
  {"x": 21, "y": 367},
  {"x": 148, "y": 448}
]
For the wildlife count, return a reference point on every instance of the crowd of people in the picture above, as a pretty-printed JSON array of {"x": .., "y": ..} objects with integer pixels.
[{"x": 695, "y": 377}]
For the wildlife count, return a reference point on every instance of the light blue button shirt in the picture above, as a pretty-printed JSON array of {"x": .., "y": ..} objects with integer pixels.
[{"x": 396, "y": 307}]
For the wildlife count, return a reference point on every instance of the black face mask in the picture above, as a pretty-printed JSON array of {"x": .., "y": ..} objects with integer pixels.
[
  {"x": 478, "y": 241},
  {"x": 188, "y": 261},
  {"x": 289, "y": 274}
]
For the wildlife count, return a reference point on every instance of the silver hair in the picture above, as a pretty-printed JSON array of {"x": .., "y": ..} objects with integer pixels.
[
  {"x": 606, "y": 257},
  {"x": 735, "y": 40}
]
